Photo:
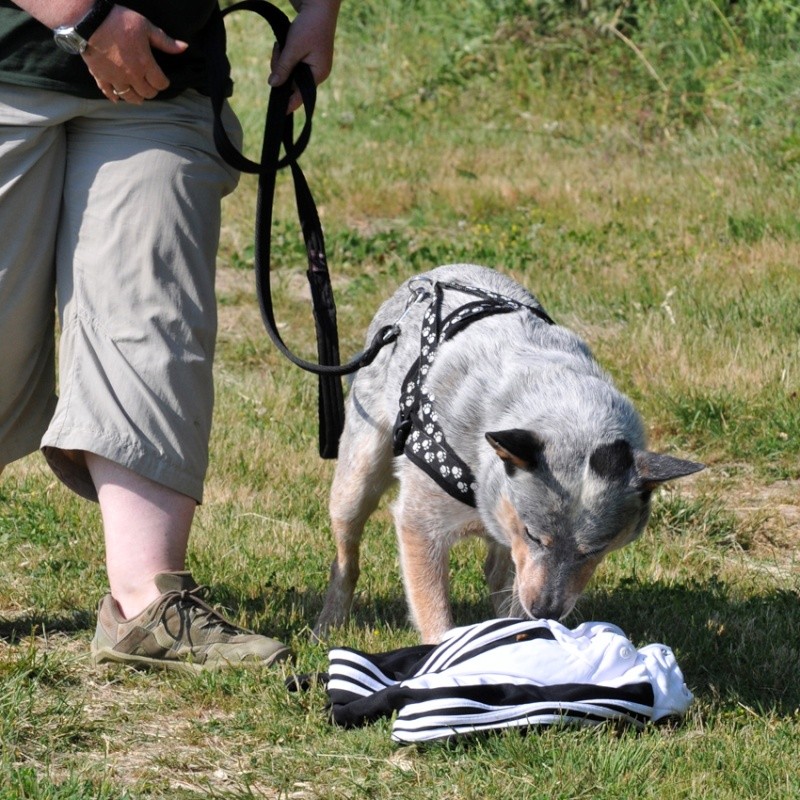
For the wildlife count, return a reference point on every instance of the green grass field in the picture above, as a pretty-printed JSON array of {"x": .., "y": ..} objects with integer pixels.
[{"x": 637, "y": 166}]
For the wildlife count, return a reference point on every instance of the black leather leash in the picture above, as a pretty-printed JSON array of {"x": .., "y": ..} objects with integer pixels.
[{"x": 278, "y": 131}]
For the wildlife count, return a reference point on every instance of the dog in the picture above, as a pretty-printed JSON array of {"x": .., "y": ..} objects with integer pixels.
[{"x": 497, "y": 423}]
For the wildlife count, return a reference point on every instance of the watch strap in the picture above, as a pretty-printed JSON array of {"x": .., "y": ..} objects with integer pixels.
[{"x": 95, "y": 18}]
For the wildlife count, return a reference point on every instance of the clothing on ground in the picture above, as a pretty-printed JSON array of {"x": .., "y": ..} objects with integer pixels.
[{"x": 508, "y": 673}]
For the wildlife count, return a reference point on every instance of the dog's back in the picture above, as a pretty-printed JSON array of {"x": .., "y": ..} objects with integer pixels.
[{"x": 505, "y": 371}]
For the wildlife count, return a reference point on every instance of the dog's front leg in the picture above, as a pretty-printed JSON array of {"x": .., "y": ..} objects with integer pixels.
[
  {"x": 424, "y": 562},
  {"x": 362, "y": 475},
  {"x": 343, "y": 578}
]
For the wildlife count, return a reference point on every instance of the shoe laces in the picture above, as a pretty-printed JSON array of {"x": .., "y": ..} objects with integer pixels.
[{"x": 190, "y": 607}]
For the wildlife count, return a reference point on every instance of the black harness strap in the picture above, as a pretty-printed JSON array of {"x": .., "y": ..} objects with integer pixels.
[
  {"x": 278, "y": 131},
  {"x": 417, "y": 431}
]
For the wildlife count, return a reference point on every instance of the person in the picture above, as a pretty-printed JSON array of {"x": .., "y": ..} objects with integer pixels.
[{"x": 110, "y": 196}]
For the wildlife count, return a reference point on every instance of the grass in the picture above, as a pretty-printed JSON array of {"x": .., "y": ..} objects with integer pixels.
[{"x": 638, "y": 167}]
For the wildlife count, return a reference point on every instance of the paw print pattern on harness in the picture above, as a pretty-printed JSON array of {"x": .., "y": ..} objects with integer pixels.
[{"x": 417, "y": 432}]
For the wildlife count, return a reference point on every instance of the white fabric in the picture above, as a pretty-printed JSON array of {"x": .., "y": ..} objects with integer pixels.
[{"x": 513, "y": 673}]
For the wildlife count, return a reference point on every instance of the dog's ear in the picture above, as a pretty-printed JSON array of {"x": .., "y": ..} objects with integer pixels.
[
  {"x": 612, "y": 460},
  {"x": 517, "y": 447},
  {"x": 653, "y": 469}
]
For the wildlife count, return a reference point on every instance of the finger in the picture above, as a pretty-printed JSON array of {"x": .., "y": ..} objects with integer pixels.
[
  {"x": 282, "y": 68},
  {"x": 161, "y": 41},
  {"x": 131, "y": 96},
  {"x": 155, "y": 80},
  {"x": 283, "y": 61},
  {"x": 276, "y": 54},
  {"x": 119, "y": 95},
  {"x": 144, "y": 87},
  {"x": 151, "y": 83},
  {"x": 108, "y": 90},
  {"x": 295, "y": 101},
  {"x": 122, "y": 96}
]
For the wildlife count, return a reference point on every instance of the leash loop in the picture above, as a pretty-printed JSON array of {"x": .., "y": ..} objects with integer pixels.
[{"x": 278, "y": 132}]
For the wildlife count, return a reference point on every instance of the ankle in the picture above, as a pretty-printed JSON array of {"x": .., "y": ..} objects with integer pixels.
[{"x": 132, "y": 600}]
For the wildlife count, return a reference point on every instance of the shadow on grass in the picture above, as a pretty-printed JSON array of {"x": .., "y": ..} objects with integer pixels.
[
  {"x": 733, "y": 650},
  {"x": 291, "y": 610},
  {"x": 16, "y": 629}
]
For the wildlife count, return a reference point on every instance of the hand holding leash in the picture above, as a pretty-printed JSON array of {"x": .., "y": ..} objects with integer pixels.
[{"x": 310, "y": 41}]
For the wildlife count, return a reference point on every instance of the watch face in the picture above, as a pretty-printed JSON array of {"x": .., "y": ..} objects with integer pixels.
[{"x": 70, "y": 40}]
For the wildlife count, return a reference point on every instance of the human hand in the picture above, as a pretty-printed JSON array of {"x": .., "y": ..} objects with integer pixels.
[
  {"x": 310, "y": 39},
  {"x": 120, "y": 56}
]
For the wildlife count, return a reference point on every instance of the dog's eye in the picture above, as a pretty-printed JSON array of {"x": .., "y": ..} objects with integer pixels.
[{"x": 535, "y": 539}]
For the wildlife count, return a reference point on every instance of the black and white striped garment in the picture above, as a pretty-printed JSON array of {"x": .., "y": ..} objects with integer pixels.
[{"x": 508, "y": 673}]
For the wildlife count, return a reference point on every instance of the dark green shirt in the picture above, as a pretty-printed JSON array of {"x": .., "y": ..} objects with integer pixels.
[{"x": 30, "y": 57}]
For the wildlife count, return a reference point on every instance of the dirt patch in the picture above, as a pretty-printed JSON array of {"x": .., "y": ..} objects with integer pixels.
[
  {"x": 768, "y": 523},
  {"x": 766, "y": 516},
  {"x": 773, "y": 511}
]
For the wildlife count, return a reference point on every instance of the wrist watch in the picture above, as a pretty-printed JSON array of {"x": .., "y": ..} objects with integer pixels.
[{"x": 74, "y": 38}]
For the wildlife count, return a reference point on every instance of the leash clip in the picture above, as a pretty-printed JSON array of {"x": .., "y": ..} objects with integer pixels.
[
  {"x": 391, "y": 332},
  {"x": 420, "y": 286},
  {"x": 419, "y": 292}
]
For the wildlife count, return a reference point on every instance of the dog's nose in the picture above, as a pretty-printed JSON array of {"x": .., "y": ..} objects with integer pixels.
[
  {"x": 547, "y": 611},
  {"x": 552, "y": 605}
]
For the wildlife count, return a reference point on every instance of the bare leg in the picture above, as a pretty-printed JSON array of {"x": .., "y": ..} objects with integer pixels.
[{"x": 146, "y": 528}]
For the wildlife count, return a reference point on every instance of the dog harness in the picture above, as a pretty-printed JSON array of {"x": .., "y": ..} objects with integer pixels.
[
  {"x": 507, "y": 673},
  {"x": 417, "y": 431}
]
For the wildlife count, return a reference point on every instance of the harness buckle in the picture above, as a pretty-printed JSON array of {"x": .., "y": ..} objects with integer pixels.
[{"x": 402, "y": 428}]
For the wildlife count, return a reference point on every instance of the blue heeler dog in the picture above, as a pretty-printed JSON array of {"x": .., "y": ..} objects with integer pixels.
[{"x": 497, "y": 423}]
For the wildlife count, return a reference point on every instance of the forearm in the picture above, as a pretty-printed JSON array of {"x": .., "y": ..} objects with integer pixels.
[
  {"x": 333, "y": 5},
  {"x": 56, "y": 12}
]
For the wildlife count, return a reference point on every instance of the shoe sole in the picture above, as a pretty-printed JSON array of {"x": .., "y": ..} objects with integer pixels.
[{"x": 109, "y": 656}]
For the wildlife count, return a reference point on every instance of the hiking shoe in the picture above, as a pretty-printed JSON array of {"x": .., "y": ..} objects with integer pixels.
[{"x": 178, "y": 631}]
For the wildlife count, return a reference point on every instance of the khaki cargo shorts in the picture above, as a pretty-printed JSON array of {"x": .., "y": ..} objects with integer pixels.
[{"x": 109, "y": 215}]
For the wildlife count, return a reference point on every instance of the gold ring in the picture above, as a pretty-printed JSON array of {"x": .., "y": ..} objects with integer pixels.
[{"x": 124, "y": 91}]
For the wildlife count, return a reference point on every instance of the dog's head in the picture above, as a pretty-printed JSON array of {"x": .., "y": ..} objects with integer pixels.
[{"x": 563, "y": 512}]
